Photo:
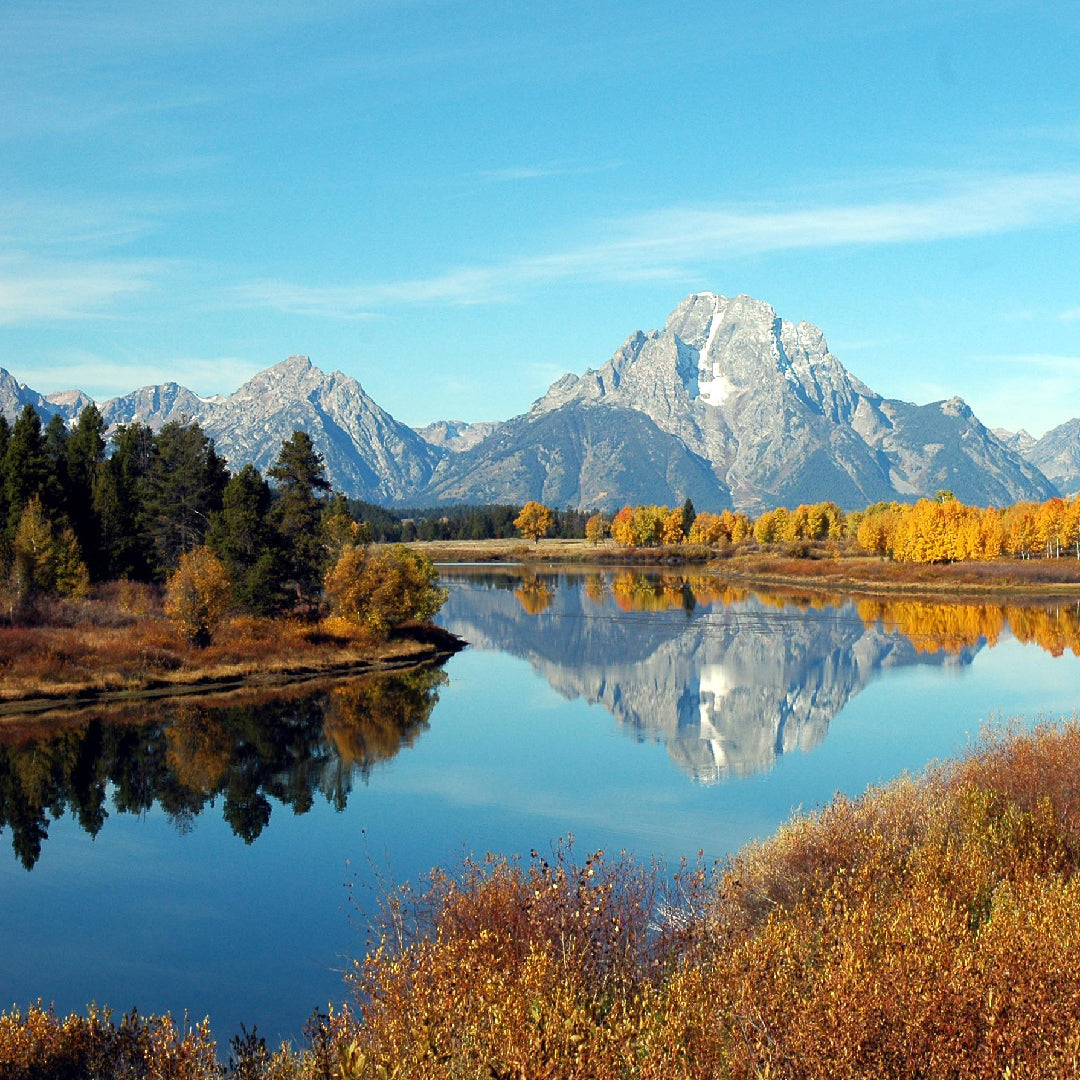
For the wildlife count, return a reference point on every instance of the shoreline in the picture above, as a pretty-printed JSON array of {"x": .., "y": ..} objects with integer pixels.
[
  {"x": 1037, "y": 579},
  {"x": 415, "y": 647}
]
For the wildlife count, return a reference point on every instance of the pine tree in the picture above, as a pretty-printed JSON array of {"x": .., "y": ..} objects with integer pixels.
[
  {"x": 301, "y": 483},
  {"x": 183, "y": 488},
  {"x": 26, "y": 467},
  {"x": 124, "y": 549},
  {"x": 244, "y": 538},
  {"x": 84, "y": 454},
  {"x": 54, "y": 492},
  {"x": 688, "y": 515}
]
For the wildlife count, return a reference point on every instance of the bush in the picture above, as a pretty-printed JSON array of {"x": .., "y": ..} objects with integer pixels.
[
  {"x": 197, "y": 595},
  {"x": 378, "y": 589}
]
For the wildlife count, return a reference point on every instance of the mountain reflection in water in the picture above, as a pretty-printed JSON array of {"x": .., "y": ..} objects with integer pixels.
[
  {"x": 727, "y": 678},
  {"x": 291, "y": 748}
]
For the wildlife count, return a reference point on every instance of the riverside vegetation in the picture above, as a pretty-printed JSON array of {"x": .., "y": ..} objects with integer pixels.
[
  {"x": 929, "y": 928},
  {"x": 155, "y": 565}
]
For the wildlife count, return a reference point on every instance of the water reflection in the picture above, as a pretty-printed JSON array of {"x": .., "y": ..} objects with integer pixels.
[
  {"x": 292, "y": 748},
  {"x": 726, "y": 677}
]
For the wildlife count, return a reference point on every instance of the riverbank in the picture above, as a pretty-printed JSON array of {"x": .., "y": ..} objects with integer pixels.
[
  {"x": 119, "y": 648},
  {"x": 929, "y": 928},
  {"x": 820, "y": 567}
]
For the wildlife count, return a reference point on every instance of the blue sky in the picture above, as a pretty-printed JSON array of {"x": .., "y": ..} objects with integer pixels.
[{"x": 456, "y": 202}]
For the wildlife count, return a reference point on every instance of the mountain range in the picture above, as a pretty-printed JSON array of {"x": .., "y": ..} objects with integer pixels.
[{"x": 728, "y": 404}]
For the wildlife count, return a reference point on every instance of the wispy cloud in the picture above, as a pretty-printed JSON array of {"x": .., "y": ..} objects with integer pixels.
[
  {"x": 105, "y": 377},
  {"x": 673, "y": 242},
  {"x": 543, "y": 172},
  {"x": 33, "y": 290},
  {"x": 1036, "y": 391}
]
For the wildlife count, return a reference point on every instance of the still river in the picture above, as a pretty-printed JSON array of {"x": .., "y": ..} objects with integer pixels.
[{"x": 222, "y": 858}]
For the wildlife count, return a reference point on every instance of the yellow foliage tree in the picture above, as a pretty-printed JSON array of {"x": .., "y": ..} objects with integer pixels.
[
  {"x": 378, "y": 589},
  {"x": 707, "y": 529},
  {"x": 622, "y": 528},
  {"x": 671, "y": 531},
  {"x": 596, "y": 528},
  {"x": 46, "y": 560},
  {"x": 197, "y": 595},
  {"x": 534, "y": 521}
]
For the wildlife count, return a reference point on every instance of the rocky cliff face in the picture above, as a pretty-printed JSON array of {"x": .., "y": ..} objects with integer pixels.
[{"x": 1057, "y": 455}]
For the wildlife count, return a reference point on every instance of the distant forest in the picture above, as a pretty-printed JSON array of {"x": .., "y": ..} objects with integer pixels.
[{"x": 458, "y": 522}]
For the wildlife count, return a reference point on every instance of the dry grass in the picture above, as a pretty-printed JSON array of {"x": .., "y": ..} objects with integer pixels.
[
  {"x": 560, "y": 551},
  {"x": 120, "y": 641},
  {"x": 931, "y": 928}
]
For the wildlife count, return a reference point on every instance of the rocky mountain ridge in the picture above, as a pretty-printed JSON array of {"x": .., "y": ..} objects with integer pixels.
[{"x": 728, "y": 404}]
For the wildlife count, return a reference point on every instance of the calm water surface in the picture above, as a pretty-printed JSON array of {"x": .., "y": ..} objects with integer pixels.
[{"x": 219, "y": 860}]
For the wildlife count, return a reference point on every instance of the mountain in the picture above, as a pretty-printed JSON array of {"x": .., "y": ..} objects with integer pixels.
[
  {"x": 1019, "y": 442},
  {"x": 728, "y": 404},
  {"x": 781, "y": 421},
  {"x": 155, "y": 406},
  {"x": 369, "y": 455},
  {"x": 1057, "y": 455},
  {"x": 456, "y": 435},
  {"x": 15, "y": 396},
  {"x": 579, "y": 456}
]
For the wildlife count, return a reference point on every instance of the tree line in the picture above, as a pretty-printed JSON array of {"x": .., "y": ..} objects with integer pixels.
[
  {"x": 462, "y": 521},
  {"x": 941, "y": 529},
  {"x": 71, "y": 514}
]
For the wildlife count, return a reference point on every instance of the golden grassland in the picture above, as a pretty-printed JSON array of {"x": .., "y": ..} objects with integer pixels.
[
  {"x": 119, "y": 643},
  {"x": 930, "y": 928}
]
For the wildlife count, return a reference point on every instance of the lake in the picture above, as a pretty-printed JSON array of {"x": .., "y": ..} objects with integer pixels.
[{"x": 222, "y": 857}]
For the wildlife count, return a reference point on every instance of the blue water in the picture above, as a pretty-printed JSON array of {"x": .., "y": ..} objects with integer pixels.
[{"x": 661, "y": 733}]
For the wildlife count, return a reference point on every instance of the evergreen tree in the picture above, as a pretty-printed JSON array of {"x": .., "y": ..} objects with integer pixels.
[
  {"x": 83, "y": 455},
  {"x": 301, "y": 485},
  {"x": 124, "y": 549},
  {"x": 688, "y": 515},
  {"x": 244, "y": 538},
  {"x": 54, "y": 439},
  {"x": 181, "y": 490},
  {"x": 26, "y": 467},
  {"x": 5, "y": 439}
]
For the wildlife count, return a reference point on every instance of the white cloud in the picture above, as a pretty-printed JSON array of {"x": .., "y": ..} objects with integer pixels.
[
  {"x": 668, "y": 243},
  {"x": 542, "y": 172},
  {"x": 33, "y": 290}
]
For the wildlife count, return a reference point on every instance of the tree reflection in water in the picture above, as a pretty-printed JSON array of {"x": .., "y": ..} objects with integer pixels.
[{"x": 291, "y": 749}]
